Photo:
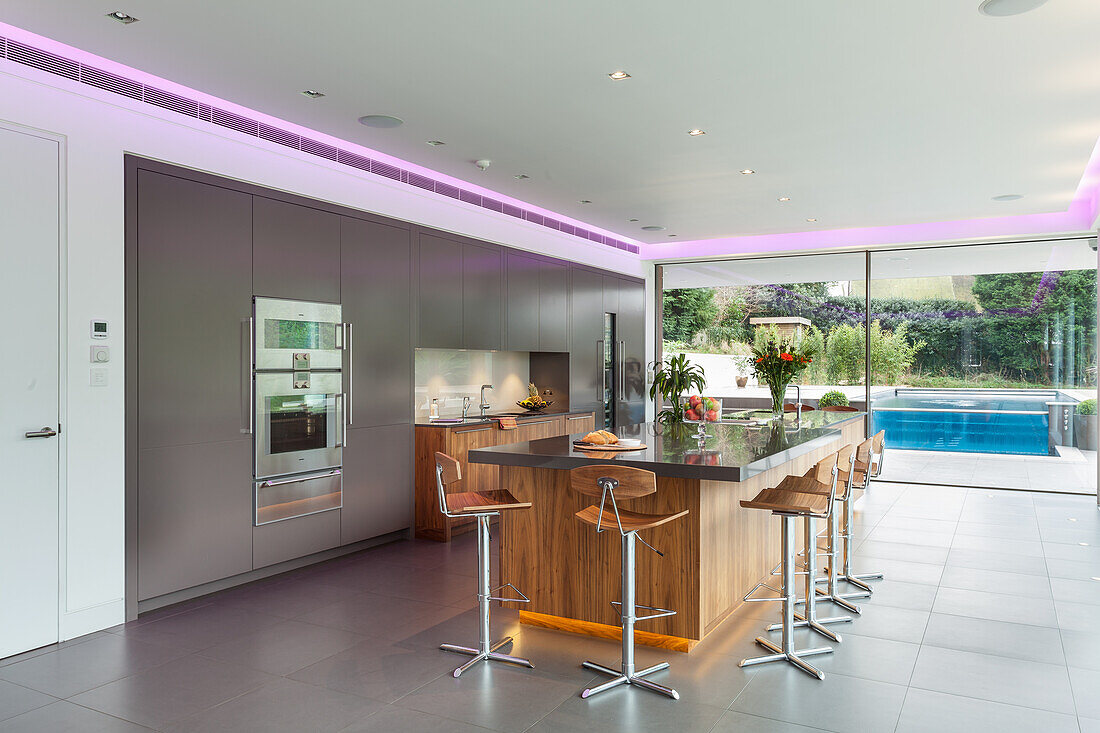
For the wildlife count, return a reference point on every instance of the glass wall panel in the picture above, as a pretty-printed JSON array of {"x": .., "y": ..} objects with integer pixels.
[
  {"x": 714, "y": 311},
  {"x": 983, "y": 358}
]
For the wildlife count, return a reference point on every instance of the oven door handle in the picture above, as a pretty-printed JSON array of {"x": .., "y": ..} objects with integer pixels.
[
  {"x": 299, "y": 479},
  {"x": 341, "y": 402},
  {"x": 246, "y": 369},
  {"x": 350, "y": 346}
]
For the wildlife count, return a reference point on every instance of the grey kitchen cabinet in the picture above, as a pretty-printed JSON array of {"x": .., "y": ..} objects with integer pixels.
[
  {"x": 440, "y": 288},
  {"x": 376, "y": 280},
  {"x": 522, "y": 274},
  {"x": 586, "y": 326},
  {"x": 194, "y": 515},
  {"x": 194, "y": 296},
  {"x": 631, "y": 333},
  {"x": 610, "y": 294},
  {"x": 378, "y": 482},
  {"x": 294, "y": 538},
  {"x": 296, "y": 251},
  {"x": 482, "y": 297},
  {"x": 553, "y": 307}
]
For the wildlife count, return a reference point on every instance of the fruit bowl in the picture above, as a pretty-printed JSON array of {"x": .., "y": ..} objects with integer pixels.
[{"x": 534, "y": 404}]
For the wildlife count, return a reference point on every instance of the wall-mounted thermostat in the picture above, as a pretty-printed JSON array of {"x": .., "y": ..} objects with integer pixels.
[
  {"x": 101, "y": 354},
  {"x": 99, "y": 329}
]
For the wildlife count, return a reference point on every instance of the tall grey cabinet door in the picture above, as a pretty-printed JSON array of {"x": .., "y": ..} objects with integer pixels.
[
  {"x": 586, "y": 325},
  {"x": 631, "y": 325},
  {"x": 553, "y": 307},
  {"x": 611, "y": 294},
  {"x": 296, "y": 251},
  {"x": 376, "y": 279},
  {"x": 522, "y": 308},
  {"x": 440, "y": 267},
  {"x": 378, "y": 482},
  {"x": 482, "y": 297}
]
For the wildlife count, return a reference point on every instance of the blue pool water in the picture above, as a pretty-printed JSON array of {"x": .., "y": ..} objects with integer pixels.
[{"x": 970, "y": 422}]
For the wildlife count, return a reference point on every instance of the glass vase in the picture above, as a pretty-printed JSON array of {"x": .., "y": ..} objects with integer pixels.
[{"x": 777, "y": 391}]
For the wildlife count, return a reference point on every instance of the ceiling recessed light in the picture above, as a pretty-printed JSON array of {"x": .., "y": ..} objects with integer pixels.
[
  {"x": 121, "y": 17},
  {"x": 1096, "y": 577},
  {"x": 436, "y": 143},
  {"x": 619, "y": 75},
  {"x": 1073, "y": 519},
  {"x": 584, "y": 201},
  {"x": 1008, "y": 197},
  {"x": 1083, "y": 544},
  {"x": 672, "y": 235},
  {"x": 521, "y": 176},
  {"x": 747, "y": 171},
  {"x": 312, "y": 93},
  {"x": 632, "y": 220},
  {"x": 697, "y": 132},
  {"x": 652, "y": 228},
  {"x": 783, "y": 199},
  {"x": 1003, "y": 8},
  {"x": 381, "y": 121},
  {"x": 811, "y": 219}
]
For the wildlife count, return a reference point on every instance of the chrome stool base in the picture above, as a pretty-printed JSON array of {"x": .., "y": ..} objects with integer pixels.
[
  {"x": 794, "y": 657},
  {"x": 619, "y": 678},
  {"x": 490, "y": 656},
  {"x": 809, "y": 620}
]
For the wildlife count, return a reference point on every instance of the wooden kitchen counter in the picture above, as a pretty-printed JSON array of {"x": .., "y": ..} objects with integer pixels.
[{"x": 712, "y": 557}]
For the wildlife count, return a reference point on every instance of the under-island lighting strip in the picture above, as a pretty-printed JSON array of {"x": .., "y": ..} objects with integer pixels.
[{"x": 29, "y": 49}]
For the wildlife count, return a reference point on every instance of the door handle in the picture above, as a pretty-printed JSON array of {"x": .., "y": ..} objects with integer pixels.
[
  {"x": 600, "y": 377},
  {"x": 43, "y": 433}
]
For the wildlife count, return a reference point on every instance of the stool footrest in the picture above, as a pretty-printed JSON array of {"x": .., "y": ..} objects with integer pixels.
[
  {"x": 749, "y": 599},
  {"x": 662, "y": 612},
  {"x": 522, "y": 598}
]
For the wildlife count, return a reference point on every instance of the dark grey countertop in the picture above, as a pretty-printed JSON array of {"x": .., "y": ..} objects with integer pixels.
[
  {"x": 730, "y": 453},
  {"x": 423, "y": 422}
]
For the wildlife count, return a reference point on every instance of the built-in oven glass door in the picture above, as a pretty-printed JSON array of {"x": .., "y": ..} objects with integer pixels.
[
  {"x": 299, "y": 422},
  {"x": 295, "y": 335}
]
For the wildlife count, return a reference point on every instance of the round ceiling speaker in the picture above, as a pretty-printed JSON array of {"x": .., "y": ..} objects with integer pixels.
[
  {"x": 653, "y": 229},
  {"x": 1003, "y": 8},
  {"x": 381, "y": 121}
]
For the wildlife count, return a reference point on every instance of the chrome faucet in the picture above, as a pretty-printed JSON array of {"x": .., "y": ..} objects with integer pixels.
[
  {"x": 797, "y": 398},
  {"x": 466, "y": 402},
  {"x": 484, "y": 403}
]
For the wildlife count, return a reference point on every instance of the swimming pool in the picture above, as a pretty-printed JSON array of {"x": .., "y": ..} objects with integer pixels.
[{"x": 970, "y": 421}]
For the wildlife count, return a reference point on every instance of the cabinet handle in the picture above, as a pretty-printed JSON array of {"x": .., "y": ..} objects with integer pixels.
[
  {"x": 580, "y": 417},
  {"x": 246, "y": 368},
  {"x": 599, "y": 371},
  {"x": 622, "y": 370},
  {"x": 535, "y": 422},
  {"x": 473, "y": 430},
  {"x": 351, "y": 376},
  {"x": 341, "y": 401},
  {"x": 300, "y": 479}
]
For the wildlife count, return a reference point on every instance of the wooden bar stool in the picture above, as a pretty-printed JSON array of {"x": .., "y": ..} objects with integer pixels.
[
  {"x": 868, "y": 464},
  {"x": 483, "y": 505},
  {"x": 796, "y": 497},
  {"x": 826, "y": 481},
  {"x": 614, "y": 484},
  {"x": 848, "y": 473}
]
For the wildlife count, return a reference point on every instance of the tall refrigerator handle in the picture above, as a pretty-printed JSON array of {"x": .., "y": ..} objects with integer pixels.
[
  {"x": 599, "y": 371},
  {"x": 351, "y": 376},
  {"x": 622, "y": 370},
  {"x": 246, "y": 368}
]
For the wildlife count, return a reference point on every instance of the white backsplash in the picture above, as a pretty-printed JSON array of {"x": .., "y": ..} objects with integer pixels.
[{"x": 451, "y": 374}]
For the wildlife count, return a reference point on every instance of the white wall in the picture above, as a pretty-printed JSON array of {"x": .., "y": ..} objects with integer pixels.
[{"x": 99, "y": 129}]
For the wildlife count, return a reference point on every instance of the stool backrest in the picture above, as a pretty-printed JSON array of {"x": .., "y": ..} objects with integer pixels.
[
  {"x": 825, "y": 473},
  {"x": 839, "y": 408},
  {"x": 788, "y": 407},
  {"x": 877, "y": 447},
  {"x": 846, "y": 463},
  {"x": 632, "y": 482},
  {"x": 448, "y": 471}
]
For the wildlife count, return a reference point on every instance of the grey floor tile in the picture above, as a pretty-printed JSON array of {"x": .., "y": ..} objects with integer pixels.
[
  {"x": 1082, "y": 648},
  {"x": 286, "y": 599},
  {"x": 1075, "y": 591},
  {"x": 16, "y": 700},
  {"x": 1076, "y": 552},
  {"x": 379, "y": 671},
  {"x": 74, "y": 669},
  {"x": 13, "y": 659},
  {"x": 1034, "y": 685},
  {"x": 1086, "y": 691},
  {"x": 891, "y": 522},
  {"x": 925, "y": 711},
  {"x": 1071, "y": 535},
  {"x": 393, "y": 718},
  {"x": 996, "y": 581},
  {"x": 981, "y": 560},
  {"x": 64, "y": 717},
  {"x": 1013, "y": 546},
  {"x": 1089, "y": 725},
  {"x": 1073, "y": 569},
  {"x": 876, "y": 547},
  {"x": 977, "y": 529},
  {"x": 1016, "y": 641},
  {"x": 787, "y": 694},
  {"x": 370, "y": 613},
  {"x": 175, "y": 690},
  {"x": 735, "y": 722},
  {"x": 907, "y": 572},
  {"x": 996, "y": 606},
  {"x": 284, "y": 648},
  {"x": 898, "y": 594},
  {"x": 868, "y": 657},
  {"x": 281, "y": 706},
  {"x": 630, "y": 710},
  {"x": 201, "y": 627},
  {"x": 921, "y": 538},
  {"x": 492, "y": 696},
  {"x": 887, "y": 622},
  {"x": 1075, "y": 616}
]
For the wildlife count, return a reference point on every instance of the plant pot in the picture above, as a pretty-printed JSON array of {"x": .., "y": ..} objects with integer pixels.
[
  {"x": 1084, "y": 431},
  {"x": 741, "y": 382}
]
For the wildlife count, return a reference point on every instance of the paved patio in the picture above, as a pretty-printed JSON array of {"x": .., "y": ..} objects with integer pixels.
[{"x": 1071, "y": 472}]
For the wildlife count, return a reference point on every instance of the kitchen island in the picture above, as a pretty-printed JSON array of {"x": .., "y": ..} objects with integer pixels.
[{"x": 712, "y": 557}]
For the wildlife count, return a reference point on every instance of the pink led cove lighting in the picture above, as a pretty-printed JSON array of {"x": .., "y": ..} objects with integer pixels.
[{"x": 29, "y": 49}]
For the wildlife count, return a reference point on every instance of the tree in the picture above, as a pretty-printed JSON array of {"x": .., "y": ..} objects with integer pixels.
[{"x": 687, "y": 311}]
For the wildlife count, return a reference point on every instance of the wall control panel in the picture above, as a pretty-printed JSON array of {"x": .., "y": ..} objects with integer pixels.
[
  {"x": 99, "y": 329},
  {"x": 101, "y": 354}
]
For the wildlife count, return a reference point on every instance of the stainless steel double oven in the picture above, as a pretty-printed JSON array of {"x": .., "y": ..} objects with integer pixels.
[{"x": 299, "y": 407}]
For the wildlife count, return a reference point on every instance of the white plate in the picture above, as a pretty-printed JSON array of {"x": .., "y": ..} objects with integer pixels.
[{"x": 629, "y": 443}]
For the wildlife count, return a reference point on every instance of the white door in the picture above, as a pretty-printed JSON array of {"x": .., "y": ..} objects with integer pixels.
[{"x": 29, "y": 408}]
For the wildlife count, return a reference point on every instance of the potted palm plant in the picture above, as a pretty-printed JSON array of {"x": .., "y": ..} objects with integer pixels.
[{"x": 675, "y": 376}]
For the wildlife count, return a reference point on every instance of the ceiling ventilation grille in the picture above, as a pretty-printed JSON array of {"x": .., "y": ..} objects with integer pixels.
[{"x": 22, "y": 53}]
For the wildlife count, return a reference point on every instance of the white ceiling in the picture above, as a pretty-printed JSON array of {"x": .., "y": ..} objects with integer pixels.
[
  {"x": 864, "y": 112},
  {"x": 1047, "y": 256}
]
